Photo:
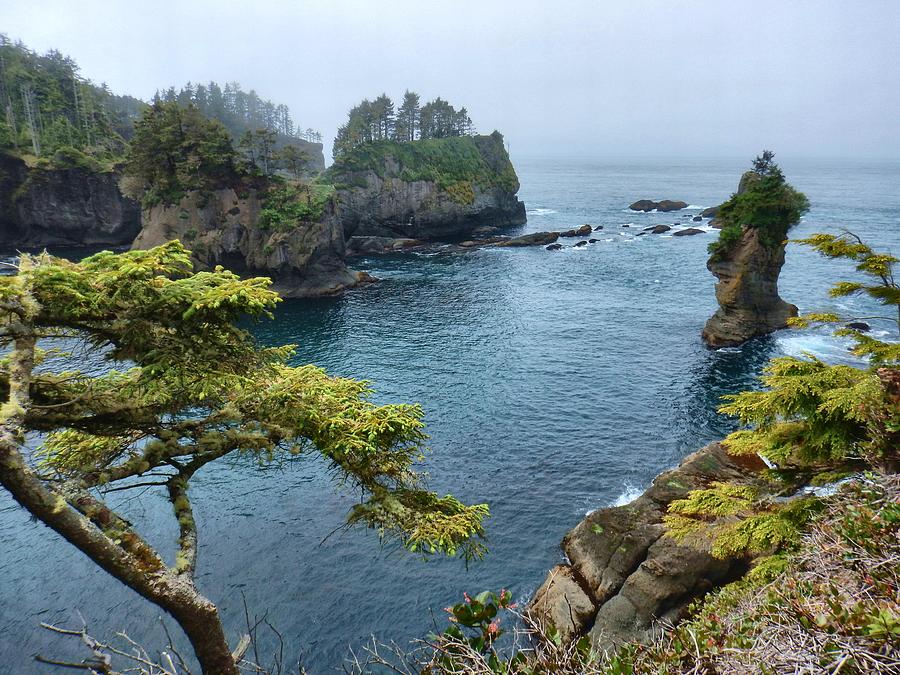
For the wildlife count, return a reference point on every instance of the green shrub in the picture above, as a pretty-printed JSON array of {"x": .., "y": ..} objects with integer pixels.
[{"x": 287, "y": 204}]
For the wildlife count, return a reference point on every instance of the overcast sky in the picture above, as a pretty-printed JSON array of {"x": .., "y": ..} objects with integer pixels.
[{"x": 604, "y": 77}]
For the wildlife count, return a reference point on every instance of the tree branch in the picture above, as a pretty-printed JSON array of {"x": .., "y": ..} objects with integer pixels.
[{"x": 186, "y": 558}]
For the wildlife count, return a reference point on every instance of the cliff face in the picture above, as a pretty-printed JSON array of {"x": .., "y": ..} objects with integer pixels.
[
  {"x": 624, "y": 574},
  {"x": 306, "y": 260},
  {"x": 747, "y": 292},
  {"x": 63, "y": 207},
  {"x": 431, "y": 190}
]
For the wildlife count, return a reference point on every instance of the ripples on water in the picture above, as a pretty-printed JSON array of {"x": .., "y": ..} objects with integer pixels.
[{"x": 553, "y": 384}]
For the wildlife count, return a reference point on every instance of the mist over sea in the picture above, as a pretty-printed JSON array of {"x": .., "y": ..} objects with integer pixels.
[{"x": 554, "y": 383}]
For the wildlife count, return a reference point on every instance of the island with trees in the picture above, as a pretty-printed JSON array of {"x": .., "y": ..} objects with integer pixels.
[{"x": 234, "y": 177}]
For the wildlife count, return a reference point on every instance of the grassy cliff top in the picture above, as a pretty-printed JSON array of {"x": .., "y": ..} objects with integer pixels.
[{"x": 482, "y": 160}]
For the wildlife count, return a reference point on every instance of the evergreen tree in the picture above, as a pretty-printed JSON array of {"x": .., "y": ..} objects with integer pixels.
[
  {"x": 407, "y": 128},
  {"x": 184, "y": 387},
  {"x": 176, "y": 149}
]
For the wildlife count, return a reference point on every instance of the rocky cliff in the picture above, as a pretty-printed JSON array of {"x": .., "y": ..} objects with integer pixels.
[
  {"x": 63, "y": 207},
  {"x": 430, "y": 190},
  {"x": 624, "y": 575},
  {"x": 747, "y": 292},
  {"x": 224, "y": 228}
]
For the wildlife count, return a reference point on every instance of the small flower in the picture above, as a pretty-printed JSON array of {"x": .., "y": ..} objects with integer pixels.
[
  {"x": 467, "y": 598},
  {"x": 494, "y": 628}
]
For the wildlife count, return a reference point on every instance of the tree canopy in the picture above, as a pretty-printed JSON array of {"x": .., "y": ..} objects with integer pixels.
[
  {"x": 764, "y": 201},
  {"x": 47, "y": 106},
  {"x": 376, "y": 120},
  {"x": 176, "y": 149},
  {"x": 184, "y": 386},
  {"x": 240, "y": 111}
]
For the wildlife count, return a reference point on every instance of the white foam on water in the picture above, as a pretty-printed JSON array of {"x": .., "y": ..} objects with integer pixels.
[
  {"x": 825, "y": 347},
  {"x": 694, "y": 206},
  {"x": 540, "y": 212},
  {"x": 629, "y": 494}
]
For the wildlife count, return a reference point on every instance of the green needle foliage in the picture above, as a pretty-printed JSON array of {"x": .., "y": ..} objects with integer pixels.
[
  {"x": 183, "y": 386},
  {"x": 810, "y": 418}
]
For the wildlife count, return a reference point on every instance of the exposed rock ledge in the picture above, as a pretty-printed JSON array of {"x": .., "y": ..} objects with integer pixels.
[{"x": 624, "y": 575}]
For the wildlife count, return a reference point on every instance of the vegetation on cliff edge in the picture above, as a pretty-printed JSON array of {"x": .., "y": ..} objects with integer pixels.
[
  {"x": 765, "y": 202},
  {"x": 456, "y": 164}
]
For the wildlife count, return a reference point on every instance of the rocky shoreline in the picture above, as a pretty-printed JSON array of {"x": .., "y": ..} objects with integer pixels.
[{"x": 624, "y": 577}]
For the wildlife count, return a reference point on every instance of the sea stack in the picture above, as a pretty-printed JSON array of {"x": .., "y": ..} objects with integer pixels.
[
  {"x": 747, "y": 292},
  {"x": 749, "y": 255}
]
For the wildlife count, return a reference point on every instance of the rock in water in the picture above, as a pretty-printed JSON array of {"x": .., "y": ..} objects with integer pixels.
[
  {"x": 663, "y": 206},
  {"x": 658, "y": 229},
  {"x": 583, "y": 231},
  {"x": 554, "y": 247},
  {"x": 747, "y": 292},
  {"x": 710, "y": 212},
  {"x": 534, "y": 239},
  {"x": 687, "y": 233}
]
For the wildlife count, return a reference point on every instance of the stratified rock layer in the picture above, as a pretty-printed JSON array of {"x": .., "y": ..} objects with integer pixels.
[
  {"x": 305, "y": 260},
  {"x": 624, "y": 574},
  {"x": 63, "y": 207},
  {"x": 747, "y": 292}
]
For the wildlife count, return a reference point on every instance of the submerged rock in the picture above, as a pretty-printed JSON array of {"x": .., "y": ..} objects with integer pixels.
[
  {"x": 554, "y": 247},
  {"x": 861, "y": 326},
  {"x": 624, "y": 575},
  {"x": 697, "y": 219},
  {"x": 581, "y": 243},
  {"x": 598, "y": 228},
  {"x": 688, "y": 232}
]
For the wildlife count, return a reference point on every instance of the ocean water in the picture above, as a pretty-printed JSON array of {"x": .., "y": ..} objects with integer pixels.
[{"x": 554, "y": 383}]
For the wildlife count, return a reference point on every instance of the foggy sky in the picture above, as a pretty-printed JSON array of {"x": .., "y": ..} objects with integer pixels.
[{"x": 604, "y": 77}]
